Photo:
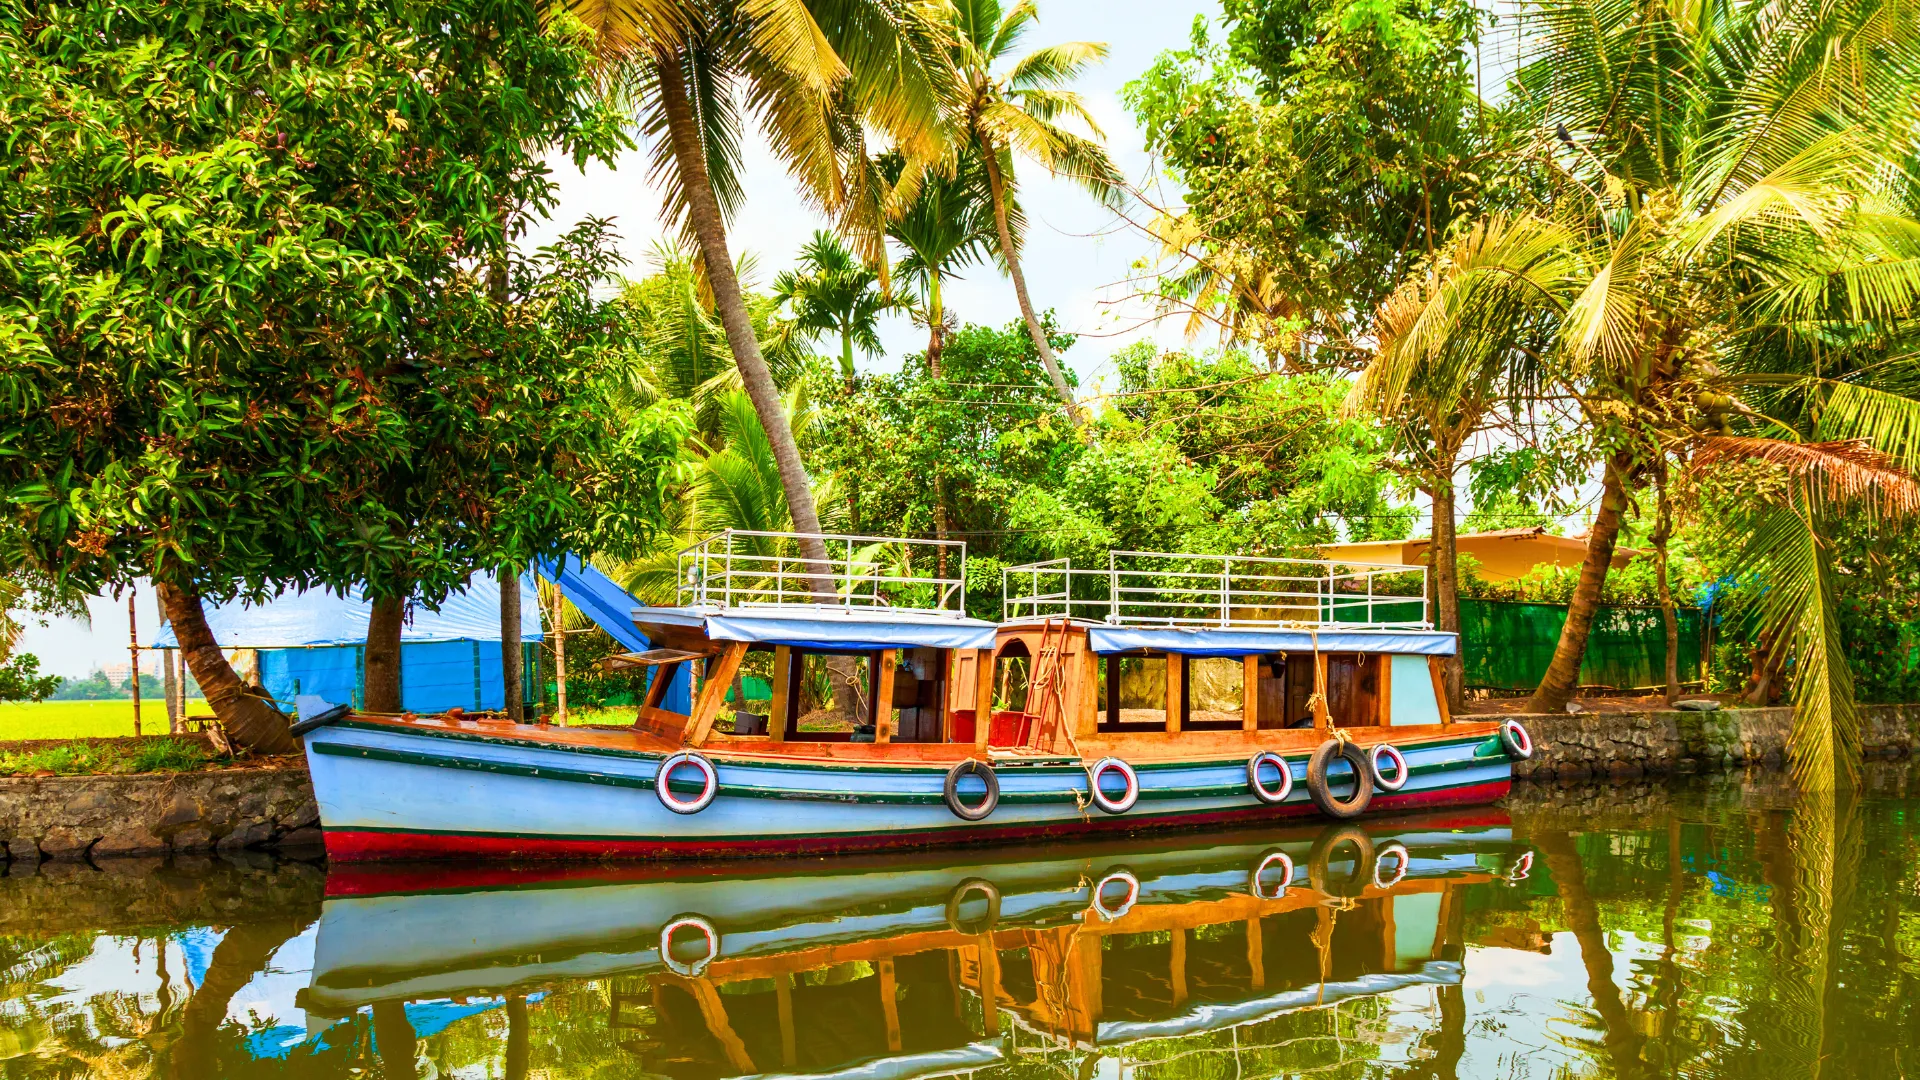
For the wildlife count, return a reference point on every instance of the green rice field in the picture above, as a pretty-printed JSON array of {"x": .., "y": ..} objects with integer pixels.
[{"x": 84, "y": 719}]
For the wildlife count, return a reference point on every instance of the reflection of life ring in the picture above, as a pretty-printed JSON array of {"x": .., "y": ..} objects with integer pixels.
[
  {"x": 1400, "y": 771},
  {"x": 1107, "y": 802},
  {"x": 1514, "y": 737},
  {"x": 1320, "y": 858},
  {"x": 1402, "y": 861},
  {"x": 1284, "y": 872},
  {"x": 1521, "y": 867},
  {"x": 1122, "y": 876},
  {"x": 1321, "y": 790},
  {"x": 959, "y": 895},
  {"x": 678, "y": 967},
  {"x": 1270, "y": 796},
  {"x": 972, "y": 767},
  {"x": 710, "y": 783}
]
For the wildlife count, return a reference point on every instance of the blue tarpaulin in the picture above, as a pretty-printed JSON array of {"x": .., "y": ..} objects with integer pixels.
[
  {"x": 315, "y": 643},
  {"x": 610, "y": 607}
]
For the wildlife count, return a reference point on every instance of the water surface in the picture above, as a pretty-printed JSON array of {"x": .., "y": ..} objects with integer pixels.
[{"x": 1717, "y": 928}]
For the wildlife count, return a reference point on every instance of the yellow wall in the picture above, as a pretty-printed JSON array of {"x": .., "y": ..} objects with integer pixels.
[{"x": 1501, "y": 558}]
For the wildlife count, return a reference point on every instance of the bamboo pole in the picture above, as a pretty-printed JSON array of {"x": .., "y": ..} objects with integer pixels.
[{"x": 133, "y": 652}]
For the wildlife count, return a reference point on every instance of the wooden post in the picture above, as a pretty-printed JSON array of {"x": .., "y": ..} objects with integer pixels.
[
  {"x": 1256, "y": 954},
  {"x": 1179, "y": 966},
  {"x": 170, "y": 686},
  {"x": 782, "y": 695},
  {"x": 511, "y": 659},
  {"x": 888, "y": 660},
  {"x": 713, "y": 691},
  {"x": 889, "y": 1003},
  {"x": 1436, "y": 668},
  {"x": 783, "y": 1006},
  {"x": 1176, "y": 693},
  {"x": 559, "y": 656},
  {"x": 983, "y": 700},
  {"x": 1383, "y": 697},
  {"x": 133, "y": 651},
  {"x": 1322, "y": 714},
  {"x": 1250, "y": 695}
]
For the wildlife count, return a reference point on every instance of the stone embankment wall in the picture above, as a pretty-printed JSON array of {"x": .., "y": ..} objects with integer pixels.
[
  {"x": 1580, "y": 746},
  {"x": 226, "y": 810}
]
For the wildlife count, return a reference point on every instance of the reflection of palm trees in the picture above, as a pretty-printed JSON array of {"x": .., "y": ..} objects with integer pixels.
[
  {"x": 1825, "y": 839},
  {"x": 1569, "y": 871},
  {"x": 241, "y": 955},
  {"x": 395, "y": 1041}
]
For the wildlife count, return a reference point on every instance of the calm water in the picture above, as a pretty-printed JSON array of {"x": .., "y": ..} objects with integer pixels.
[{"x": 1717, "y": 929}]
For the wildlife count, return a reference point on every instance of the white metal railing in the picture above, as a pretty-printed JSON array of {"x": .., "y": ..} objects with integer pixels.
[
  {"x": 1152, "y": 588},
  {"x": 741, "y": 568}
]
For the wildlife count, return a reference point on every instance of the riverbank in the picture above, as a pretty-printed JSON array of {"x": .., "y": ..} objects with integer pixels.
[{"x": 1579, "y": 746}]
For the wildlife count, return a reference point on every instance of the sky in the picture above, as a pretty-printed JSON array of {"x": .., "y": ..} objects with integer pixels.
[{"x": 1075, "y": 252}]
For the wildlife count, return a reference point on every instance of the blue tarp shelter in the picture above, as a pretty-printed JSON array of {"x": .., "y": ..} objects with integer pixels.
[
  {"x": 315, "y": 643},
  {"x": 611, "y": 608}
]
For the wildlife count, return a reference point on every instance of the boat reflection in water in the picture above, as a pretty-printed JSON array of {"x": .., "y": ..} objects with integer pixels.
[{"x": 903, "y": 968}]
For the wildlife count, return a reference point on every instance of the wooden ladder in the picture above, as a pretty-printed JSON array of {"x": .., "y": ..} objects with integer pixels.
[{"x": 1046, "y": 682}]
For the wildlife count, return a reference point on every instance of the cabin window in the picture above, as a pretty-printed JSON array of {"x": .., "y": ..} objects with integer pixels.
[
  {"x": 1134, "y": 689},
  {"x": 919, "y": 690},
  {"x": 1012, "y": 671},
  {"x": 1216, "y": 693},
  {"x": 830, "y": 697},
  {"x": 1356, "y": 695}
]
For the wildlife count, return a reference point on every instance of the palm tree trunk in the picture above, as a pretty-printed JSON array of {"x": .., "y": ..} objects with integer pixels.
[
  {"x": 519, "y": 1046},
  {"x": 249, "y": 722},
  {"x": 396, "y": 1040},
  {"x": 1446, "y": 566},
  {"x": 709, "y": 230},
  {"x": 936, "y": 323},
  {"x": 846, "y": 358},
  {"x": 1034, "y": 330},
  {"x": 1622, "y": 1038},
  {"x": 1662, "y": 532},
  {"x": 1563, "y": 672},
  {"x": 243, "y": 952},
  {"x": 383, "y": 655},
  {"x": 511, "y": 655}
]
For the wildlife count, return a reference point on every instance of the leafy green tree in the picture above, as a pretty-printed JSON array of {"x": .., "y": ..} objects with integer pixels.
[
  {"x": 1017, "y": 106},
  {"x": 253, "y": 318},
  {"x": 1727, "y": 284},
  {"x": 816, "y": 77},
  {"x": 832, "y": 292}
]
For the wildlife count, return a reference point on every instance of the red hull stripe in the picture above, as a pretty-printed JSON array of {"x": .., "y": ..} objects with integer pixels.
[{"x": 353, "y": 845}]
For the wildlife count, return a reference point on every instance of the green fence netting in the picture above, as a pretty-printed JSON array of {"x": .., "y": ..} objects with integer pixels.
[{"x": 1507, "y": 645}]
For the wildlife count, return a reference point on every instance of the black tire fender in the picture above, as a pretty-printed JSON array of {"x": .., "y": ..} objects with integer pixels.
[{"x": 1320, "y": 789}]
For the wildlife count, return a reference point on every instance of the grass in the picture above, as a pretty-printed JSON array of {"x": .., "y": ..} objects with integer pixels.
[
  {"x": 92, "y": 758},
  {"x": 84, "y": 719}
]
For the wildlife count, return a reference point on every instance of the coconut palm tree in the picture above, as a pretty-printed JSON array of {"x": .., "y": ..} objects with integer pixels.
[
  {"x": 815, "y": 76},
  {"x": 1723, "y": 274},
  {"x": 1018, "y": 105},
  {"x": 948, "y": 226},
  {"x": 832, "y": 292}
]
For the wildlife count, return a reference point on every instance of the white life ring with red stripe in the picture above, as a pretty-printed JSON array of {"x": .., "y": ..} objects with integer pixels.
[
  {"x": 710, "y": 782},
  {"x": 1402, "y": 861},
  {"x": 689, "y": 969},
  {"x": 1273, "y": 796},
  {"x": 1107, "y": 802},
  {"x": 1400, "y": 771},
  {"x": 1122, "y": 876},
  {"x": 1279, "y": 859},
  {"x": 1519, "y": 744}
]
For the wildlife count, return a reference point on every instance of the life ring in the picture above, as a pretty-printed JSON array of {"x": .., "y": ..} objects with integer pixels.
[
  {"x": 1514, "y": 737},
  {"x": 1521, "y": 867},
  {"x": 1271, "y": 858},
  {"x": 1319, "y": 860},
  {"x": 1124, "y": 877},
  {"x": 979, "y": 926},
  {"x": 1263, "y": 792},
  {"x": 1321, "y": 789},
  {"x": 978, "y": 812},
  {"x": 1402, "y": 862},
  {"x": 1400, "y": 771},
  {"x": 1104, "y": 801},
  {"x": 679, "y": 967},
  {"x": 710, "y": 783}
]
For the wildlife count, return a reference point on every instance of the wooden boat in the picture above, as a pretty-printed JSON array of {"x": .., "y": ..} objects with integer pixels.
[
  {"x": 1338, "y": 713},
  {"x": 894, "y": 969}
]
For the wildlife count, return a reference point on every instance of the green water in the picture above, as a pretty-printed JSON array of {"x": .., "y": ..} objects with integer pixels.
[{"x": 1720, "y": 928}]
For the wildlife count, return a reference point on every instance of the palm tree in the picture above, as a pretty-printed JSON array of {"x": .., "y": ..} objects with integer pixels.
[
  {"x": 832, "y": 292},
  {"x": 948, "y": 226},
  {"x": 1720, "y": 275},
  {"x": 1020, "y": 109},
  {"x": 815, "y": 75}
]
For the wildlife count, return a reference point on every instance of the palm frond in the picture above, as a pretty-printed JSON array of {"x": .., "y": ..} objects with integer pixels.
[
  {"x": 1054, "y": 65},
  {"x": 1848, "y": 473}
]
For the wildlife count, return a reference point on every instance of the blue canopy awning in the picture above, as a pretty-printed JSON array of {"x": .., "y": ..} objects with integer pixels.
[
  {"x": 1248, "y": 641},
  {"x": 852, "y": 630},
  {"x": 598, "y": 597},
  {"x": 316, "y": 618}
]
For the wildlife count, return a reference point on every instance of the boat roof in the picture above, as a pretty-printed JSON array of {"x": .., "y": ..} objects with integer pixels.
[
  {"x": 820, "y": 626},
  {"x": 1108, "y": 640}
]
